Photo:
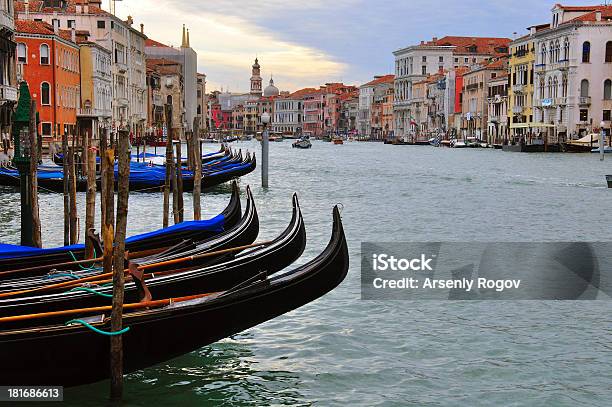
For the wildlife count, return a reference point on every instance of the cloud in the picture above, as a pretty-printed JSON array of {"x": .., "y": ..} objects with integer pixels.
[{"x": 228, "y": 43}]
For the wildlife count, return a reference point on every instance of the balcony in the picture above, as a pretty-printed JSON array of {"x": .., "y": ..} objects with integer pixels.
[
  {"x": 584, "y": 100},
  {"x": 540, "y": 68},
  {"x": 519, "y": 88},
  {"x": 92, "y": 112},
  {"x": 157, "y": 100},
  {"x": 471, "y": 86},
  {"x": 562, "y": 101},
  {"x": 517, "y": 109},
  {"x": 560, "y": 65},
  {"x": 8, "y": 93},
  {"x": 493, "y": 119}
]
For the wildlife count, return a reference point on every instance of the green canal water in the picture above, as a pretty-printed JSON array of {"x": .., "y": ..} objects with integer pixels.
[{"x": 341, "y": 350}]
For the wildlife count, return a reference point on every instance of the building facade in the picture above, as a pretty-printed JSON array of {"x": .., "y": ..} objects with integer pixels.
[
  {"x": 48, "y": 60},
  {"x": 573, "y": 78},
  {"x": 8, "y": 68},
  {"x": 498, "y": 119}
]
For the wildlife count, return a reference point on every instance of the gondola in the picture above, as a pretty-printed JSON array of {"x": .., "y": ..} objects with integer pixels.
[
  {"x": 270, "y": 258},
  {"x": 12, "y": 257},
  {"x": 241, "y": 234},
  {"x": 58, "y": 158},
  {"x": 72, "y": 354}
]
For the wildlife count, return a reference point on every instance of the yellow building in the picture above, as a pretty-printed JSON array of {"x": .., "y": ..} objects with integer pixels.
[{"x": 520, "y": 93}]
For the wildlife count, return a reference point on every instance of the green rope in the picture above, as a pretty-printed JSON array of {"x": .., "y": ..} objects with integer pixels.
[
  {"x": 80, "y": 265},
  {"x": 89, "y": 290},
  {"x": 96, "y": 330}
]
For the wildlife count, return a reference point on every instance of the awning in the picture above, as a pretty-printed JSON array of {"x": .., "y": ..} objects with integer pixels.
[{"x": 529, "y": 125}]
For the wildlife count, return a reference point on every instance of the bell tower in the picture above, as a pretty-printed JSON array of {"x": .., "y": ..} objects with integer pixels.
[{"x": 256, "y": 79}]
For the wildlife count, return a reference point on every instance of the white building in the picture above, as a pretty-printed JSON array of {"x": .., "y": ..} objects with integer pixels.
[
  {"x": 289, "y": 114},
  {"x": 112, "y": 33},
  {"x": 573, "y": 83},
  {"x": 188, "y": 59},
  {"x": 416, "y": 62}
]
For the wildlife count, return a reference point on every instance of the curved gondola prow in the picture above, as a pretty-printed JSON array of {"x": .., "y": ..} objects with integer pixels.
[{"x": 232, "y": 212}]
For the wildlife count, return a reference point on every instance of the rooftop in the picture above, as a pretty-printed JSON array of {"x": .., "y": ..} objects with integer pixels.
[
  {"x": 41, "y": 28},
  {"x": 378, "y": 80}
]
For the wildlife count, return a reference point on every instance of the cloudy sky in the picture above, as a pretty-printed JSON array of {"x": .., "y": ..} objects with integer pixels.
[{"x": 317, "y": 41}]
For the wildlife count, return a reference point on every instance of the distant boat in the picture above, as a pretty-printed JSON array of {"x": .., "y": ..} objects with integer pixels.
[
  {"x": 304, "y": 142},
  {"x": 434, "y": 141},
  {"x": 582, "y": 145},
  {"x": 337, "y": 140},
  {"x": 607, "y": 150}
]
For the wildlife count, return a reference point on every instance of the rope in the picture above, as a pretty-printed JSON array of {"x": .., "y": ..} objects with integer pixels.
[
  {"x": 92, "y": 268},
  {"x": 54, "y": 275},
  {"x": 89, "y": 290},
  {"x": 96, "y": 330}
]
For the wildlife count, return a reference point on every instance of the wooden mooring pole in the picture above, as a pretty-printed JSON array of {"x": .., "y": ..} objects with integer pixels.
[
  {"x": 33, "y": 129},
  {"x": 169, "y": 162},
  {"x": 90, "y": 199},
  {"x": 66, "y": 179},
  {"x": 72, "y": 190},
  {"x": 116, "y": 341},
  {"x": 180, "y": 213},
  {"x": 197, "y": 175}
]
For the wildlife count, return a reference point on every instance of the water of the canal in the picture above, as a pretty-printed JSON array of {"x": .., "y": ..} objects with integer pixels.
[{"x": 341, "y": 350}]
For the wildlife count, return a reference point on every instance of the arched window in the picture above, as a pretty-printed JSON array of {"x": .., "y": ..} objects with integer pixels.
[
  {"x": 586, "y": 52},
  {"x": 44, "y": 54},
  {"x": 543, "y": 54},
  {"x": 550, "y": 87},
  {"x": 566, "y": 49},
  {"x": 199, "y": 109},
  {"x": 551, "y": 52},
  {"x": 609, "y": 51},
  {"x": 584, "y": 88},
  {"x": 607, "y": 89},
  {"x": 557, "y": 51},
  {"x": 564, "y": 86},
  {"x": 45, "y": 94},
  {"x": 22, "y": 53},
  {"x": 555, "y": 87},
  {"x": 169, "y": 99}
]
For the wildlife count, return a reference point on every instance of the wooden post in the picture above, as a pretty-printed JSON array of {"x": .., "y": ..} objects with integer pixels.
[
  {"x": 116, "y": 341},
  {"x": 102, "y": 154},
  {"x": 72, "y": 185},
  {"x": 66, "y": 179},
  {"x": 169, "y": 161},
  {"x": 179, "y": 181},
  {"x": 90, "y": 199},
  {"x": 197, "y": 174},
  {"x": 36, "y": 237}
]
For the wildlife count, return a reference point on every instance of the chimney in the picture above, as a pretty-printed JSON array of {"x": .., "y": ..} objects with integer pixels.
[
  {"x": 598, "y": 15},
  {"x": 141, "y": 28},
  {"x": 130, "y": 20}
]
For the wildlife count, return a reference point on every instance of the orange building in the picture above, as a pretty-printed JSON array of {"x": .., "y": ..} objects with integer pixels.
[{"x": 48, "y": 59}]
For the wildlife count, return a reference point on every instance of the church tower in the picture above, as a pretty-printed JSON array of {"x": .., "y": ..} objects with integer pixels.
[{"x": 256, "y": 79}]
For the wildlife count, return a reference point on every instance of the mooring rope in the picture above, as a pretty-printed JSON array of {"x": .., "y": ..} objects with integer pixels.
[{"x": 96, "y": 330}]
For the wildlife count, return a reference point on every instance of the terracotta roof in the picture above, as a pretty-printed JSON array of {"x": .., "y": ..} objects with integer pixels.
[
  {"x": 484, "y": 45},
  {"x": 163, "y": 66},
  {"x": 301, "y": 93},
  {"x": 41, "y": 28},
  {"x": 606, "y": 14},
  {"x": 380, "y": 80},
  {"x": 37, "y": 6},
  {"x": 152, "y": 43},
  {"x": 500, "y": 63}
]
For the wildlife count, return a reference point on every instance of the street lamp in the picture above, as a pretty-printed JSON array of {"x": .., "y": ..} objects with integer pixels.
[{"x": 265, "y": 144}]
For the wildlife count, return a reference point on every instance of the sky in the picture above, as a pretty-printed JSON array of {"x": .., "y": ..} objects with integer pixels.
[{"x": 319, "y": 41}]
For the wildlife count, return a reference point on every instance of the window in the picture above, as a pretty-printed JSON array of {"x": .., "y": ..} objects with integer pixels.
[
  {"x": 566, "y": 49},
  {"x": 424, "y": 70},
  {"x": 424, "y": 58},
  {"x": 584, "y": 88},
  {"x": 606, "y": 115},
  {"x": 71, "y": 23},
  {"x": 101, "y": 24},
  {"x": 609, "y": 51},
  {"x": 584, "y": 115},
  {"x": 46, "y": 129},
  {"x": 55, "y": 23},
  {"x": 22, "y": 53},
  {"x": 45, "y": 94},
  {"x": 465, "y": 60},
  {"x": 44, "y": 54},
  {"x": 169, "y": 99},
  {"x": 441, "y": 60},
  {"x": 543, "y": 55},
  {"x": 586, "y": 52},
  {"x": 607, "y": 89}
]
